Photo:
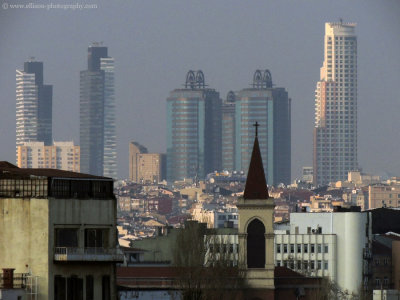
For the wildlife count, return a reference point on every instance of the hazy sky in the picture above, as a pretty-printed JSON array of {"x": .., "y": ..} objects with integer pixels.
[{"x": 155, "y": 43}]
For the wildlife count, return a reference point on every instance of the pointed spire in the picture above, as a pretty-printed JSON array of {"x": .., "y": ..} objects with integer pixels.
[{"x": 256, "y": 185}]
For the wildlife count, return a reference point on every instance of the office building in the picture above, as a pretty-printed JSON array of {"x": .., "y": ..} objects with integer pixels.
[
  {"x": 327, "y": 245},
  {"x": 33, "y": 105},
  {"x": 110, "y": 135},
  {"x": 193, "y": 130},
  {"x": 335, "y": 131},
  {"x": 60, "y": 155},
  {"x": 97, "y": 114},
  {"x": 270, "y": 108},
  {"x": 59, "y": 227},
  {"x": 228, "y": 132}
]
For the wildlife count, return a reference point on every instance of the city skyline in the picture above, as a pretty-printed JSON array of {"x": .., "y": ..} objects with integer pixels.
[{"x": 228, "y": 62}]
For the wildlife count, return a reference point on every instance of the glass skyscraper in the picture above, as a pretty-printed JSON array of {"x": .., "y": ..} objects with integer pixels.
[
  {"x": 271, "y": 109},
  {"x": 193, "y": 130},
  {"x": 335, "y": 131},
  {"x": 228, "y": 132},
  {"x": 97, "y": 114},
  {"x": 33, "y": 105}
]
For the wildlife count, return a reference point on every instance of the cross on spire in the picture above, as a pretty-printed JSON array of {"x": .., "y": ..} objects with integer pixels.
[{"x": 256, "y": 126}]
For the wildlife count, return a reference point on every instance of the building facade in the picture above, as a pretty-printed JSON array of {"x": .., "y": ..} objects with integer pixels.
[
  {"x": 110, "y": 135},
  {"x": 134, "y": 150},
  {"x": 60, "y": 227},
  {"x": 33, "y": 105},
  {"x": 335, "y": 129},
  {"x": 193, "y": 130},
  {"x": 381, "y": 195},
  {"x": 60, "y": 155},
  {"x": 326, "y": 244},
  {"x": 228, "y": 133},
  {"x": 271, "y": 109},
  {"x": 97, "y": 114}
]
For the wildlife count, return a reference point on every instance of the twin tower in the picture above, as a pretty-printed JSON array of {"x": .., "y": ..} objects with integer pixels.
[{"x": 207, "y": 134}]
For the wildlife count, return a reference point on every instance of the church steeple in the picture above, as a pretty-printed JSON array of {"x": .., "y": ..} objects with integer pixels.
[{"x": 256, "y": 185}]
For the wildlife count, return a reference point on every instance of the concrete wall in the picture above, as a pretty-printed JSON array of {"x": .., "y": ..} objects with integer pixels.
[{"x": 24, "y": 236}]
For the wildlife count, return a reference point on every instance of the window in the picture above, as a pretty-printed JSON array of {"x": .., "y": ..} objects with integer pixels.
[
  {"x": 105, "y": 288},
  {"x": 66, "y": 237},
  {"x": 312, "y": 248},
  {"x": 291, "y": 248},
  {"x": 312, "y": 265},
  {"x": 305, "y": 248},
  {"x": 385, "y": 261},
  {"x": 385, "y": 281},
  {"x": 284, "y": 248},
  {"x": 96, "y": 237},
  {"x": 89, "y": 288},
  {"x": 319, "y": 247},
  {"x": 278, "y": 263},
  {"x": 376, "y": 262},
  {"x": 326, "y": 248},
  {"x": 305, "y": 265},
  {"x": 377, "y": 282},
  {"x": 278, "y": 248},
  {"x": 298, "y": 248},
  {"x": 319, "y": 265},
  {"x": 299, "y": 265},
  {"x": 326, "y": 265}
]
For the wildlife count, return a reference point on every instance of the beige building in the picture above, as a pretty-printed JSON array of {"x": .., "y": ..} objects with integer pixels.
[
  {"x": 61, "y": 155},
  {"x": 384, "y": 195},
  {"x": 145, "y": 167},
  {"x": 59, "y": 227}
]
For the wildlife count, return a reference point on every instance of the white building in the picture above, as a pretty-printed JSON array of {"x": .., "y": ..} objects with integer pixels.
[
  {"x": 110, "y": 136},
  {"x": 335, "y": 129},
  {"x": 325, "y": 244},
  {"x": 61, "y": 155},
  {"x": 27, "y": 108}
]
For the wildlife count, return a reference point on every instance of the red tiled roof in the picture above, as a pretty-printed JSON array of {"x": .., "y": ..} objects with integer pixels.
[{"x": 256, "y": 185}]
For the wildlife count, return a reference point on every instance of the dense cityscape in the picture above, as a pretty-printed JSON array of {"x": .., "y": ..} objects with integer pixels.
[{"x": 219, "y": 214}]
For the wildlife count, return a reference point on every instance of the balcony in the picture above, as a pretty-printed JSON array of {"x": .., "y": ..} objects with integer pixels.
[{"x": 97, "y": 254}]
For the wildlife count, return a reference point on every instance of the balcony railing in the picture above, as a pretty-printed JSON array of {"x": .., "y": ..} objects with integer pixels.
[
  {"x": 100, "y": 254},
  {"x": 18, "y": 281}
]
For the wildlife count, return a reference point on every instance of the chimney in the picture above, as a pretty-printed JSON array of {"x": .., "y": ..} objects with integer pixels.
[{"x": 8, "y": 278}]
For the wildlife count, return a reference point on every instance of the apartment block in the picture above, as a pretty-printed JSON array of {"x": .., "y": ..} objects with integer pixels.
[
  {"x": 60, "y": 155},
  {"x": 381, "y": 195},
  {"x": 59, "y": 227}
]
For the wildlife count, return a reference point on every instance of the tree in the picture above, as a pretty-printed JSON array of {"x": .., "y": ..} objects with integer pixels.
[{"x": 205, "y": 264}]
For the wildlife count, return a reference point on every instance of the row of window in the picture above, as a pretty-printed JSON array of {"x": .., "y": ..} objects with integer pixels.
[
  {"x": 302, "y": 248},
  {"x": 303, "y": 265}
]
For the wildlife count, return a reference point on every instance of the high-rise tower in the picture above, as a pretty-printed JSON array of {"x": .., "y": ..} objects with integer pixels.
[
  {"x": 228, "y": 132},
  {"x": 97, "y": 114},
  {"x": 34, "y": 105},
  {"x": 271, "y": 108},
  {"x": 335, "y": 131},
  {"x": 193, "y": 129}
]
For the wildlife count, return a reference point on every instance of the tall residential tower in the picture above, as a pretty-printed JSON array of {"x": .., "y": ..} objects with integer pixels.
[
  {"x": 34, "y": 105},
  {"x": 97, "y": 114},
  {"x": 193, "y": 129},
  {"x": 335, "y": 131}
]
